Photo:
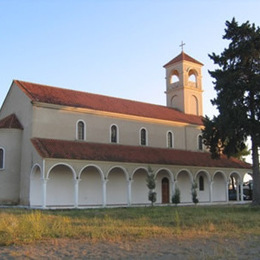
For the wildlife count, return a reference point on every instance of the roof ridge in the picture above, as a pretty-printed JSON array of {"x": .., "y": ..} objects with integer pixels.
[{"x": 80, "y": 99}]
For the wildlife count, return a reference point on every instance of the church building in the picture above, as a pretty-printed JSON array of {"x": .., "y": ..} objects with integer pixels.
[{"x": 72, "y": 149}]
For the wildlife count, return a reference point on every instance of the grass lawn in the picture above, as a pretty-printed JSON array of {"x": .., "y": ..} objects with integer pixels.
[{"x": 21, "y": 226}]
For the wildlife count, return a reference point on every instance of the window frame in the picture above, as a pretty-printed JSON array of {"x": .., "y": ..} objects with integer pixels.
[
  {"x": 83, "y": 132},
  {"x": 2, "y": 157},
  {"x": 116, "y": 141},
  {"x": 172, "y": 139},
  {"x": 201, "y": 183},
  {"x": 200, "y": 142},
  {"x": 141, "y": 137}
]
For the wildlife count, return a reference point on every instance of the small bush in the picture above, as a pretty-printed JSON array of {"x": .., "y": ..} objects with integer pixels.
[{"x": 176, "y": 196}]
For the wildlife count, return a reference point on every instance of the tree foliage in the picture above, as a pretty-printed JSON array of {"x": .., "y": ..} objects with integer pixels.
[
  {"x": 237, "y": 83},
  {"x": 151, "y": 184}
]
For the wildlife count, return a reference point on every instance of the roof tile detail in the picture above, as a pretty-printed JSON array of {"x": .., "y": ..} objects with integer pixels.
[
  {"x": 60, "y": 149},
  {"x": 72, "y": 98},
  {"x": 11, "y": 121},
  {"x": 181, "y": 57}
]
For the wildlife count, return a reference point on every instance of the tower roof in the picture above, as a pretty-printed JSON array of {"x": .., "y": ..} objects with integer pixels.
[{"x": 182, "y": 57}]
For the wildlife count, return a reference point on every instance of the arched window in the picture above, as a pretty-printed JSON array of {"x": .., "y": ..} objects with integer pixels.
[
  {"x": 193, "y": 77},
  {"x": 174, "y": 78},
  {"x": 200, "y": 143},
  {"x": 2, "y": 157},
  {"x": 170, "y": 140},
  {"x": 81, "y": 130},
  {"x": 113, "y": 134},
  {"x": 201, "y": 183},
  {"x": 143, "y": 137}
]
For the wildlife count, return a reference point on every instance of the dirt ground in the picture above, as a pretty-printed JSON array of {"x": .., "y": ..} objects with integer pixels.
[{"x": 201, "y": 248}]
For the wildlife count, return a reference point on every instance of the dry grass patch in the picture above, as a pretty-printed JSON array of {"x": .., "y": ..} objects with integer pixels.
[{"x": 19, "y": 226}]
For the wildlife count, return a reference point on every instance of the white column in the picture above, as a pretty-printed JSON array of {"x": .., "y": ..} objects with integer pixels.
[
  {"x": 44, "y": 188},
  {"x": 129, "y": 192},
  {"x": 173, "y": 190},
  {"x": 104, "y": 188},
  {"x": 227, "y": 184},
  {"x": 76, "y": 193},
  {"x": 210, "y": 190},
  {"x": 242, "y": 191}
]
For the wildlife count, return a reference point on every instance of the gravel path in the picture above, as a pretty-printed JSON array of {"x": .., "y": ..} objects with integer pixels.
[{"x": 213, "y": 248}]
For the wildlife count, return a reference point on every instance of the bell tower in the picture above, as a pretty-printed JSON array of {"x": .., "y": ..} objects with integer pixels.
[{"x": 184, "y": 84}]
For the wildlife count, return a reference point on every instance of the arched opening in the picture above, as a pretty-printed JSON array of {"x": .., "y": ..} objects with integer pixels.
[
  {"x": 202, "y": 179},
  {"x": 2, "y": 159},
  {"x": 219, "y": 187},
  {"x": 36, "y": 187},
  {"x": 194, "y": 105},
  {"x": 117, "y": 187},
  {"x": 113, "y": 134},
  {"x": 143, "y": 136},
  {"x": 170, "y": 140},
  {"x": 174, "y": 78},
  {"x": 234, "y": 192},
  {"x": 90, "y": 186},
  {"x": 174, "y": 101},
  {"x": 200, "y": 143},
  {"x": 184, "y": 184},
  {"x": 60, "y": 186},
  {"x": 139, "y": 188},
  {"x": 81, "y": 130},
  {"x": 193, "y": 78}
]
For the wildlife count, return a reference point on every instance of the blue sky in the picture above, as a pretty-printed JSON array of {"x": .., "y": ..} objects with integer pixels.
[{"x": 112, "y": 47}]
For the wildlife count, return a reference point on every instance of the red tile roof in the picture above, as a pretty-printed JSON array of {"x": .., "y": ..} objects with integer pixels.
[
  {"x": 72, "y": 98},
  {"x": 11, "y": 121},
  {"x": 60, "y": 149},
  {"x": 181, "y": 57}
]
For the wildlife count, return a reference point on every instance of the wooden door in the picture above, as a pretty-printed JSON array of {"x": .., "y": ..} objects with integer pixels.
[{"x": 165, "y": 190}]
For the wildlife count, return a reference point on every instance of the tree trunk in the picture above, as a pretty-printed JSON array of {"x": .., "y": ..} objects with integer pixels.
[{"x": 256, "y": 173}]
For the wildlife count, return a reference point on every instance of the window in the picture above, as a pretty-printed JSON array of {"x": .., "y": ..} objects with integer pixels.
[
  {"x": 143, "y": 137},
  {"x": 113, "y": 134},
  {"x": 2, "y": 158},
  {"x": 170, "y": 139},
  {"x": 81, "y": 130},
  {"x": 201, "y": 183},
  {"x": 200, "y": 143}
]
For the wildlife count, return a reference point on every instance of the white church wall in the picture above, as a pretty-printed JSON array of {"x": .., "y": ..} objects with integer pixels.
[
  {"x": 90, "y": 187},
  {"x": 184, "y": 184},
  {"x": 219, "y": 187},
  {"x": 116, "y": 187},
  {"x": 139, "y": 187},
  {"x": 60, "y": 124},
  {"x": 60, "y": 187},
  {"x": 10, "y": 142}
]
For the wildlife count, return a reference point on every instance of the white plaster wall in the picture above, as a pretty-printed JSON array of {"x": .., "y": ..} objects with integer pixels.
[
  {"x": 219, "y": 188},
  {"x": 204, "y": 196},
  {"x": 60, "y": 124},
  {"x": 10, "y": 141},
  {"x": 90, "y": 187},
  {"x": 60, "y": 187},
  {"x": 139, "y": 188},
  {"x": 184, "y": 184},
  {"x": 116, "y": 187}
]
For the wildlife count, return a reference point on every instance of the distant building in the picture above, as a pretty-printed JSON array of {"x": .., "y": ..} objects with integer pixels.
[{"x": 65, "y": 148}]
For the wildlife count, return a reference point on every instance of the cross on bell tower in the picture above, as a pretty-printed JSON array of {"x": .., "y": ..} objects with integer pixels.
[{"x": 182, "y": 44}]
